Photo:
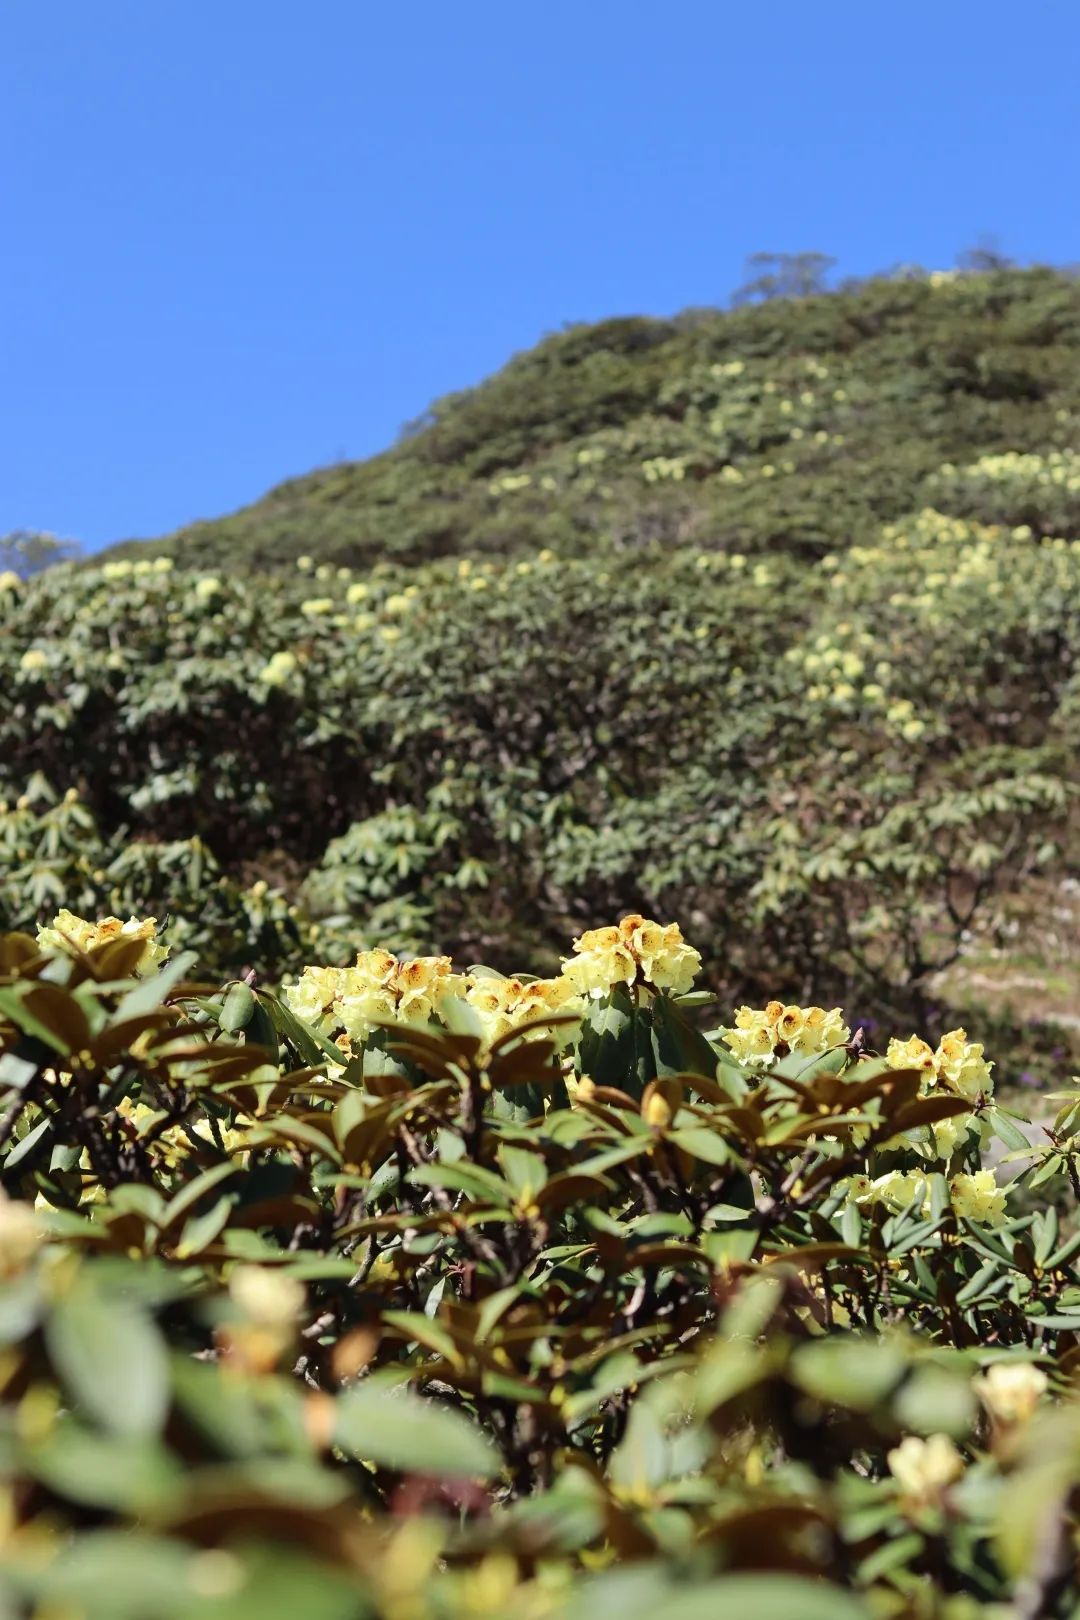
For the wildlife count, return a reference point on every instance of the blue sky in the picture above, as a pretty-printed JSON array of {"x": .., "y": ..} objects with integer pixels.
[{"x": 241, "y": 240}]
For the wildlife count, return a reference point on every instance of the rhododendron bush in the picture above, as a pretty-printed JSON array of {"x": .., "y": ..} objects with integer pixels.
[
  {"x": 840, "y": 767},
  {"x": 412, "y": 1288}
]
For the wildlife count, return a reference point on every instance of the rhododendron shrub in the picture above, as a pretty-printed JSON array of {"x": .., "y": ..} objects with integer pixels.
[{"x": 416, "y": 1288}]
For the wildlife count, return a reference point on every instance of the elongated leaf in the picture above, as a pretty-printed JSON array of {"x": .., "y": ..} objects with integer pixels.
[
  {"x": 417, "y": 1436},
  {"x": 110, "y": 1359}
]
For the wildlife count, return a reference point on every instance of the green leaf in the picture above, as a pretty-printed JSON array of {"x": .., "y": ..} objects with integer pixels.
[
  {"x": 606, "y": 1048},
  {"x": 150, "y": 993},
  {"x": 936, "y": 1401},
  {"x": 415, "y": 1326},
  {"x": 110, "y": 1359},
  {"x": 309, "y": 1046},
  {"x": 201, "y": 1230},
  {"x": 1003, "y": 1127},
  {"x": 196, "y": 1189},
  {"x": 849, "y": 1371},
  {"x": 679, "y": 1047},
  {"x": 639, "y": 1593},
  {"x": 407, "y": 1432},
  {"x": 126, "y": 1473},
  {"x": 237, "y": 1008},
  {"x": 526, "y": 1172}
]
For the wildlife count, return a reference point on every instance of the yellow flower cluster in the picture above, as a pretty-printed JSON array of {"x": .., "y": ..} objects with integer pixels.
[
  {"x": 1059, "y": 467},
  {"x": 67, "y": 930},
  {"x": 124, "y": 568},
  {"x": 279, "y": 668},
  {"x": 956, "y": 1065},
  {"x": 173, "y": 1145},
  {"x": 379, "y": 988},
  {"x": 636, "y": 951},
  {"x": 758, "y": 1036},
  {"x": 509, "y": 483},
  {"x": 661, "y": 468},
  {"x": 382, "y": 989},
  {"x": 974, "y": 1196},
  {"x": 505, "y": 1004},
  {"x": 977, "y": 1197}
]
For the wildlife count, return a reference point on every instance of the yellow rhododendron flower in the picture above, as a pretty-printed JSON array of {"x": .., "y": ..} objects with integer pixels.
[
  {"x": 911, "y": 1054},
  {"x": 923, "y": 1469},
  {"x": 759, "y": 1035},
  {"x": 280, "y": 667},
  {"x": 950, "y": 1134},
  {"x": 961, "y": 1066},
  {"x": 897, "y": 1189},
  {"x": 316, "y": 997},
  {"x": 505, "y": 1004},
  {"x": 637, "y": 950},
  {"x": 67, "y": 930},
  {"x": 977, "y": 1197},
  {"x": 265, "y": 1295},
  {"x": 20, "y": 1234},
  {"x": 957, "y": 1065},
  {"x": 1011, "y": 1390},
  {"x": 378, "y": 989}
]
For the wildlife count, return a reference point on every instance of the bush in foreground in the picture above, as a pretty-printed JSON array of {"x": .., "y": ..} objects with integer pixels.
[{"x": 423, "y": 1291}]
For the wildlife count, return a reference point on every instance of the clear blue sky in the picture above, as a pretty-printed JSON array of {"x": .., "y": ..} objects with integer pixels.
[{"x": 241, "y": 240}]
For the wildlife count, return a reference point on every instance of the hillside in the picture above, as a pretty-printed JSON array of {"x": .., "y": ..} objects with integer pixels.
[
  {"x": 768, "y": 620},
  {"x": 796, "y": 424}
]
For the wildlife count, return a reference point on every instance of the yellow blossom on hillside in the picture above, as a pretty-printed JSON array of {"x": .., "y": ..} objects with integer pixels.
[
  {"x": 266, "y": 1295},
  {"x": 280, "y": 667},
  {"x": 896, "y": 1189},
  {"x": 66, "y": 930},
  {"x": 634, "y": 951}
]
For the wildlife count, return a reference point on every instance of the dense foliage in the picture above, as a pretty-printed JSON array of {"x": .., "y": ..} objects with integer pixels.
[
  {"x": 833, "y": 768},
  {"x": 418, "y": 1291},
  {"x": 799, "y": 425}
]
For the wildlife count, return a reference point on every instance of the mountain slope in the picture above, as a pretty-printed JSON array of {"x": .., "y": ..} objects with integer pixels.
[{"x": 799, "y": 424}]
